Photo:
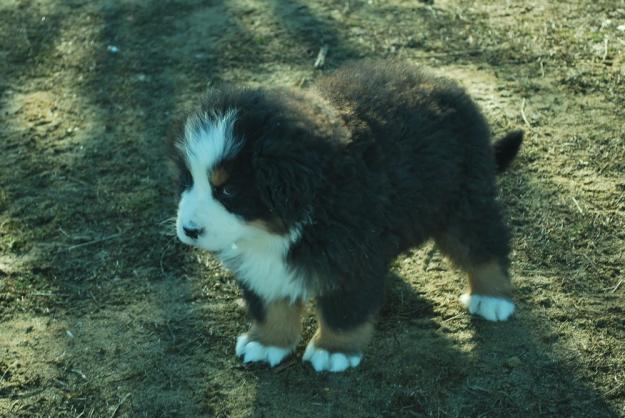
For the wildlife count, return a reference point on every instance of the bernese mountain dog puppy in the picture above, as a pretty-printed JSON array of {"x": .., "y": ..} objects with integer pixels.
[{"x": 312, "y": 193}]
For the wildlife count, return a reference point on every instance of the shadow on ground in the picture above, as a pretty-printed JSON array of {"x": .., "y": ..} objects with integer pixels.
[{"x": 104, "y": 314}]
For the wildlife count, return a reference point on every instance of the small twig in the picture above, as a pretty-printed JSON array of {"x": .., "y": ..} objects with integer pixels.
[
  {"x": 478, "y": 389},
  {"x": 321, "y": 57},
  {"x": 579, "y": 208},
  {"x": 79, "y": 373},
  {"x": 93, "y": 297},
  {"x": 620, "y": 282},
  {"x": 285, "y": 365},
  {"x": 171, "y": 219},
  {"x": 75, "y": 180},
  {"x": 453, "y": 317},
  {"x": 120, "y": 404},
  {"x": 29, "y": 394},
  {"x": 62, "y": 384},
  {"x": 523, "y": 114},
  {"x": 614, "y": 389},
  {"x": 95, "y": 241},
  {"x": 49, "y": 294}
]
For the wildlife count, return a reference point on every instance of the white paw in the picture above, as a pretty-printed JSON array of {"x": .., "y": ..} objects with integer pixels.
[
  {"x": 253, "y": 351},
  {"x": 322, "y": 360},
  {"x": 488, "y": 307}
]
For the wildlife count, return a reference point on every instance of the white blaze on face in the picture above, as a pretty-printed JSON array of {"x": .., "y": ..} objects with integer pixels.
[
  {"x": 255, "y": 255},
  {"x": 208, "y": 141}
]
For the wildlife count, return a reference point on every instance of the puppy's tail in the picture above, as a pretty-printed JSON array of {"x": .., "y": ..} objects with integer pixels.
[{"x": 506, "y": 149}]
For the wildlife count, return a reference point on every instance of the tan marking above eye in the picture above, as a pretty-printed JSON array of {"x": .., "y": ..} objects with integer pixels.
[{"x": 219, "y": 177}]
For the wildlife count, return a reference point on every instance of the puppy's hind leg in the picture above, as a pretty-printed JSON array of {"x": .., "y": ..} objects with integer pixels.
[
  {"x": 480, "y": 247},
  {"x": 489, "y": 292}
]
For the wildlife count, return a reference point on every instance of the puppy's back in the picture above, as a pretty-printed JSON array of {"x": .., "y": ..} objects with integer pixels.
[
  {"x": 428, "y": 138},
  {"x": 399, "y": 99}
]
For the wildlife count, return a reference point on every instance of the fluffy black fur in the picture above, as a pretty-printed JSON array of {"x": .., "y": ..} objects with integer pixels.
[{"x": 373, "y": 160}]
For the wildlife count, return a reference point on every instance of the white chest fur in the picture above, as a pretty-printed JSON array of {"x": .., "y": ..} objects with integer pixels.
[{"x": 259, "y": 262}]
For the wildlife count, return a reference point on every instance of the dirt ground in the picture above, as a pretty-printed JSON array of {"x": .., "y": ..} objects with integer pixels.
[{"x": 104, "y": 314}]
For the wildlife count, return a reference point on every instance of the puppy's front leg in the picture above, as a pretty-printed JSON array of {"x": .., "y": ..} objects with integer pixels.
[
  {"x": 345, "y": 329},
  {"x": 337, "y": 350},
  {"x": 275, "y": 331}
]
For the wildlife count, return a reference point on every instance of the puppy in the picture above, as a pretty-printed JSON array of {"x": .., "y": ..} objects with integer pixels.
[{"x": 312, "y": 193}]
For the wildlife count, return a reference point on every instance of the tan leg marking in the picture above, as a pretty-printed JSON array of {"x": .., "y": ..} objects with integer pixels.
[
  {"x": 281, "y": 327},
  {"x": 352, "y": 341},
  {"x": 489, "y": 280}
]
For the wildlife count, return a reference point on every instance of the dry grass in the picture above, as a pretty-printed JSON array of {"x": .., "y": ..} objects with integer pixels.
[{"x": 104, "y": 314}]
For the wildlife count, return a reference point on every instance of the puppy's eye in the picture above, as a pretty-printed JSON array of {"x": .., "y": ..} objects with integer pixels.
[{"x": 227, "y": 191}]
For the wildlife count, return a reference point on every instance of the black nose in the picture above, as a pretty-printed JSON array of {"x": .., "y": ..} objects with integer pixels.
[{"x": 192, "y": 233}]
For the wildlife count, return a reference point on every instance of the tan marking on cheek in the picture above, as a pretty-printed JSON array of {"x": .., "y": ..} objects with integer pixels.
[
  {"x": 489, "y": 280},
  {"x": 260, "y": 224},
  {"x": 219, "y": 177},
  {"x": 351, "y": 341},
  {"x": 274, "y": 226},
  {"x": 282, "y": 325}
]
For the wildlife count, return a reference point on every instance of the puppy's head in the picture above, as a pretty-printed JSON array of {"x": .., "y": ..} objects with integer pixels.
[{"x": 248, "y": 172}]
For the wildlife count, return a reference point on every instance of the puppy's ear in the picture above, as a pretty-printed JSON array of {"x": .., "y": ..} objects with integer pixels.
[{"x": 289, "y": 177}]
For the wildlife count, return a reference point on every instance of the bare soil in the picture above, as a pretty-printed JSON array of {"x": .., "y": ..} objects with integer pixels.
[{"x": 104, "y": 314}]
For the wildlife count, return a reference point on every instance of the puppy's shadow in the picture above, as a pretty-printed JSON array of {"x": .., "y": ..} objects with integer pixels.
[
  {"x": 408, "y": 353},
  {"x": 403, "y": 304}
]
